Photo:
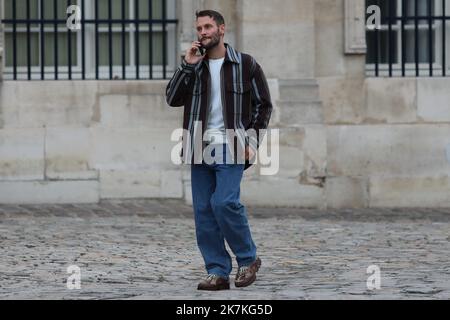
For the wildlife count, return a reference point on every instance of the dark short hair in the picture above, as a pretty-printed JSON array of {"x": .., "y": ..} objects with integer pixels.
[{"x": 216, "y": 16}]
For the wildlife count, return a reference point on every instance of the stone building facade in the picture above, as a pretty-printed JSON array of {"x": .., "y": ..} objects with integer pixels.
[{"x": 346, "y": 139}]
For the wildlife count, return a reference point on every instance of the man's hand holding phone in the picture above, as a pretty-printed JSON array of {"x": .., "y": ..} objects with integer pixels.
[{"x": 191, "y": 56}]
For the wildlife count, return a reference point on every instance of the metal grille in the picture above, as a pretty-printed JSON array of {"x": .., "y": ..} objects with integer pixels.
[
  {"x": 412, "y": 39},
  {"x": 106, "y": 47}
]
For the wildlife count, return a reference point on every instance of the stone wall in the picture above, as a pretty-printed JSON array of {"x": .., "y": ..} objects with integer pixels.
[
  {"x": 81, "y": 141},
  {"x": 397, "y": 152}
]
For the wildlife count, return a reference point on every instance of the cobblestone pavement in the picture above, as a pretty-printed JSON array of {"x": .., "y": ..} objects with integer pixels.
[{"x": 147, "y": 250}]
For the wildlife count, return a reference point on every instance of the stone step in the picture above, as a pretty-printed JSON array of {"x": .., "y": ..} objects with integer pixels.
[
  {"x": 300, "y": 113},
  {"x": 299, "y": 89}
]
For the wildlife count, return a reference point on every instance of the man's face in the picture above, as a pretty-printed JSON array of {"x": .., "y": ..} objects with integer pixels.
[{"x": 208, "y": 32}]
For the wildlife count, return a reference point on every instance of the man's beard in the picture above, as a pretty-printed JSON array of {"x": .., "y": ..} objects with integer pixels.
[{"x": 214, "y": 41}]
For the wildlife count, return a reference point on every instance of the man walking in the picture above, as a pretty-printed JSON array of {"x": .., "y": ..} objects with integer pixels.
[{"x": 222, "y": 91}]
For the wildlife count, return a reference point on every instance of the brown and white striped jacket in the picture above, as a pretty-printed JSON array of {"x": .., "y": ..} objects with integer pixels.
[{"x": 245, "y": 99}]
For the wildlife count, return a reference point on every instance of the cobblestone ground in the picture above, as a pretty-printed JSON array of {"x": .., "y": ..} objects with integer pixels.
[{"x": 147, "y": 250}]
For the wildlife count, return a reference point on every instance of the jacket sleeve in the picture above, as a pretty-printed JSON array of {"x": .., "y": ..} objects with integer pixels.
[
  {"x": 181, "y": 83},
  {"x": 261, "y": 106}
]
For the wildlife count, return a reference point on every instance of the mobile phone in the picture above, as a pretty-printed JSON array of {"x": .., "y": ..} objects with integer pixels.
[{"x": 201, "y": 49}]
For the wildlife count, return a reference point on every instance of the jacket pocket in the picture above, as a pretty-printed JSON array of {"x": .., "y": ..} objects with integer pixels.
[
  {"x": 200, "y": 88},
  {"x": 194, "y": 97},
  {"x": 240, "y": 92},
  {"x": 198, "y": 91},
  {"x": 239, "y": 87}
]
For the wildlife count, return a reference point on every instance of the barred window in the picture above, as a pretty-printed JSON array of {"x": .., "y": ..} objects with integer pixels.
[
  {"x": 119, "y": 39},
  {"x": 412, "y": 39}
]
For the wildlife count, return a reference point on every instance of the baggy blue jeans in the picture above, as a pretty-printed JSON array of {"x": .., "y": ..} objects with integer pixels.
[{"x": 220, "y": 216}]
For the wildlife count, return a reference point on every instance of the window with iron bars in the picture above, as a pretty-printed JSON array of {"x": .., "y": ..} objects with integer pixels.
[
  {"x": 412, "y": 39},
  {"x": 118, "y": 39}
]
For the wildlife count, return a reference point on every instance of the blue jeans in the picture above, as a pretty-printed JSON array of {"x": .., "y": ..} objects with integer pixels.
[{"x": 220, "y": 216}]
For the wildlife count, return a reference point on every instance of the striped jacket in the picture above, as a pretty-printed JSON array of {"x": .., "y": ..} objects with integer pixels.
[{"x": 245, "y": 99}]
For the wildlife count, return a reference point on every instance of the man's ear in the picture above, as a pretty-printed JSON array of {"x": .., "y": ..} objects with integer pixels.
[{"x": 222, "y": 29}]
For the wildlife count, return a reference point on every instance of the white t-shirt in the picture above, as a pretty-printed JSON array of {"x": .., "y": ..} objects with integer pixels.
[{"x": 215, "y": 132}]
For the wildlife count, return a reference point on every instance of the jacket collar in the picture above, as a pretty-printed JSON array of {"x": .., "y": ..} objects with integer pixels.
[{"x": 231, "y": 55}]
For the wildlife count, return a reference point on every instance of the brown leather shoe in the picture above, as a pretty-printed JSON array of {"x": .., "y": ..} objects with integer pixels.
[
  {"x": 214, "y": 283},
  {"x": 247, "y": 275}
]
